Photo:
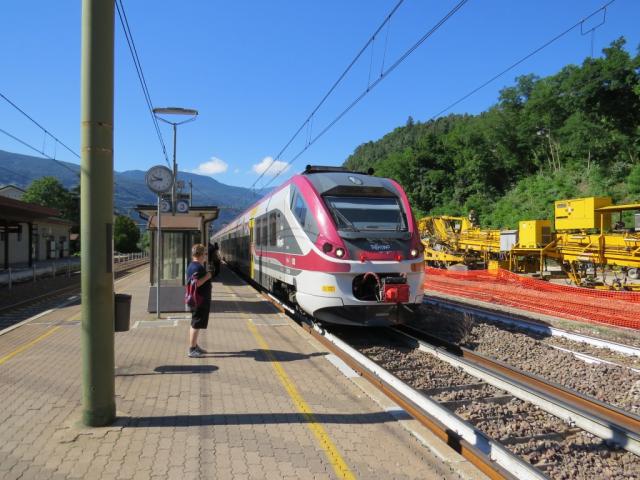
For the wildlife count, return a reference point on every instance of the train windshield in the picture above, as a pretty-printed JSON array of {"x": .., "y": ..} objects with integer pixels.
[{"x": 367, "y": 213}]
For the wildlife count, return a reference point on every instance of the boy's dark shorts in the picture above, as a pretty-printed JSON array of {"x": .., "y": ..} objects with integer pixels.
[{"x": 200, "y": 315}]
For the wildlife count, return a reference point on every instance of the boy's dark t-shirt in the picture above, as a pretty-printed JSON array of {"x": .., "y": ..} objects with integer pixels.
[{"x": 198, "y": 268}]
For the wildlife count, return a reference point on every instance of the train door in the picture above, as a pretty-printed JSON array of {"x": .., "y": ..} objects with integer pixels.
[
  {"x": 262, "y": 225},
  {"x": 251, "y": 247}
]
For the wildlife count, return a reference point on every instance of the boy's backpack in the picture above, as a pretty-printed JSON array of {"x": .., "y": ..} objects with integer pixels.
[{"x": 191, "y": 296}]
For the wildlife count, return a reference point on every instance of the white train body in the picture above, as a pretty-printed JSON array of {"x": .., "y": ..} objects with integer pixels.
[{"x": 343, "y": 246}]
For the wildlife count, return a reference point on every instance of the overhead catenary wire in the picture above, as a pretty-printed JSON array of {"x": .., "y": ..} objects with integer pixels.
[
  {"x": 330, "y": 91},
  {"x": 382, "y": 76},
  {"x": 47, "y": 132},
  {"x": 49, "y": 157},
  {"x": 28, "y": 145},
  {"x": 521, "y": 60},
  {"x": 580, "y": 23},
  {"x": 124, "y": 22}
]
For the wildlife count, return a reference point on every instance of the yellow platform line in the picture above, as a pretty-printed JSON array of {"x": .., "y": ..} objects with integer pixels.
[
  {"x": 22, "y": 348},
  {"x": 336, "y": 460}
]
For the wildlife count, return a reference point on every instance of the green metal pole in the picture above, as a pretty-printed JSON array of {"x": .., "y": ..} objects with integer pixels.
[
  {"x": 174, "y": 196},
  {"x": 96, "y": 209}
]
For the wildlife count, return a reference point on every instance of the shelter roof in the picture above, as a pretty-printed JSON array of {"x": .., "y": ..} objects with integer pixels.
[
  {"x": 17, "y": 210},
  {"x": 176, "y": 222},
  {"x": 207, "y": 212}
]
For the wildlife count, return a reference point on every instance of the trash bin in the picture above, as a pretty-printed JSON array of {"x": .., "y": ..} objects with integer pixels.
[{"x": 122, "y": 312}]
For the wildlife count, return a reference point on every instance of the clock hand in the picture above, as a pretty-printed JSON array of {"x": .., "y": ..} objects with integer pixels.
[{"x": 156, "y": 179}]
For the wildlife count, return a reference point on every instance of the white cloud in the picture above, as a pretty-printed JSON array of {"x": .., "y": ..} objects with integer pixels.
[
  {"x": 212, "y": 167},
  {"x": 277, "y": 167}
]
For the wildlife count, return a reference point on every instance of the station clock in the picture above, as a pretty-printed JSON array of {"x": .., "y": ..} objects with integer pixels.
[{"x": 159, "y": 179}]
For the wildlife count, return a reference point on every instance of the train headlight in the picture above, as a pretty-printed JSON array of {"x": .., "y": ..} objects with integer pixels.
[
  {"x": 339, "y": 252},
  {"x": 413, "y": 252}
]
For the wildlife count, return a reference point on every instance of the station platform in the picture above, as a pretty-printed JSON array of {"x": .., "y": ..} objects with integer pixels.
[{"x": 267, "y": 402}]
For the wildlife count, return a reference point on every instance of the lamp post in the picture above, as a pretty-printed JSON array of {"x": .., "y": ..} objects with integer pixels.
[{"x": 175, "y": 111}]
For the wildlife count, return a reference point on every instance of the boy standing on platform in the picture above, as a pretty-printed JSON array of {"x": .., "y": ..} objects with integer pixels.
[{"x": 199, "y": 313}]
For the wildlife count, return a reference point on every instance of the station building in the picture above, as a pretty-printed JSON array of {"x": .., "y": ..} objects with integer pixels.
[{"x": 29, "y": 232}]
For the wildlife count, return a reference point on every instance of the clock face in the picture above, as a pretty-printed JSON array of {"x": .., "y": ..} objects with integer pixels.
[
  {"x": 182, "y": 206},
  {"x": 165, "y": 206},
  {"x": 159, "y": 179}
]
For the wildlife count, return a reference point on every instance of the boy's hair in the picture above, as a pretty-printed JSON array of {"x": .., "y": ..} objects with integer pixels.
[{"x": 198, "y": 250}]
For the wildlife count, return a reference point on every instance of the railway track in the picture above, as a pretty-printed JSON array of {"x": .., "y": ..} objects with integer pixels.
[
  {"x": 486, "y": 454},
  {"x": 25, "y": 310},
  {"x": 600, "y": 419},
  {"x": 503, "y": 429},
  {"x": 549, "y": 427},
  {"x": 538, "y": 328},
  {"x": 606, "y": 370}
]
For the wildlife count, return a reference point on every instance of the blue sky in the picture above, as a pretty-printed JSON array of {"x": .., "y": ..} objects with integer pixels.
[{"x": 255, "y": 70}]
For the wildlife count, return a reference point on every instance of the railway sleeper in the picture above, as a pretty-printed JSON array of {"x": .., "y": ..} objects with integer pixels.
[
  {"x": 553, "y": 436},
  {"x": 455, "y": 388},
  {"x": 454, "y": 405}
]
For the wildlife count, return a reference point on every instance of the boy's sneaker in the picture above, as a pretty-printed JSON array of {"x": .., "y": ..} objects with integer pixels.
[
  {"x": 200, "y": 349},
  {"x": 194, "y": 353}
]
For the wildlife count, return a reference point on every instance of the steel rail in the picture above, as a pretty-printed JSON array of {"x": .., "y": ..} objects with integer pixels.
[
  {"x": 487, "y": 455},
  {"x": 542, "y": 329},
  {"x": 60, "y": 291},
  {"x": 600, "y": 419}
]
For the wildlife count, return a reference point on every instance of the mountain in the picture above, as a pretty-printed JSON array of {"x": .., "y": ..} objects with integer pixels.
[{"x": 130, "y": 188}]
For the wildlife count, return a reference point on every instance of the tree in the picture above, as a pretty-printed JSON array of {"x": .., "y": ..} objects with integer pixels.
[
  {"x": 144, "y": 242},
  {"x": 49, "y": 192},
  {"x": 634, "y": 181},
  {"x": 125, "y": 234},
  {"x": 573, "y": 133}
]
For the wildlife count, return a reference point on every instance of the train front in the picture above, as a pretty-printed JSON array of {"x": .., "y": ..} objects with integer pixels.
[{"x": 366, "y": 230}]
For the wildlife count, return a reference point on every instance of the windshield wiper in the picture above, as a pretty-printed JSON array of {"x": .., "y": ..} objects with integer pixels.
[
  {"x": 344, "y": 219},
  {"x": 403, "y": 225}
]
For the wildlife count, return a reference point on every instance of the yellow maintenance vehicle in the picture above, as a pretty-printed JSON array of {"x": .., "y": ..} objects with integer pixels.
[
  {"x": 455, "y": 240},
  {"x": 591, "y": 251},
  {"x": 595, "y": 249}
]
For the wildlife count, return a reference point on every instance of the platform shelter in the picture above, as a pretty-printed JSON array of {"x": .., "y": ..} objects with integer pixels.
[{"x": 178, "y": 233}]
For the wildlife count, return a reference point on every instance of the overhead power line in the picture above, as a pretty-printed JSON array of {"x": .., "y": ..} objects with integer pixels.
[
  {"x": 28, "y": 145},
  {"x": 58, "y": 162},
  {"x": 370, "y": 87},
  {"x": 308, "y": 120},
  {"x": 38, "y": 124},
  {"x": 526, "y": 57},
  {"x": 124, "y": 22}
]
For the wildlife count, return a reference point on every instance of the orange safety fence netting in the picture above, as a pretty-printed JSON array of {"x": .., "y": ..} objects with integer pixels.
[{"x": 503, "y": 287}]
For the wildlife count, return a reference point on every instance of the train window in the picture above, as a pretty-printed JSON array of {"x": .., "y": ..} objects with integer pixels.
[
  {"x": 264, "y": 236},
  {"x": 272, "y": 229},
  {"x": 300, "y": 209},
  {"x": 367, "y": 213},
  {"x": 256, "y": 234}
]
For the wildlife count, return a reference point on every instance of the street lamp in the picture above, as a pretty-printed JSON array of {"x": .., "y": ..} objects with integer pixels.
[{"x": 175, "y": 111}]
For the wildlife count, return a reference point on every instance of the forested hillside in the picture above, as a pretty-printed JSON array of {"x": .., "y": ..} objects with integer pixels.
[{"x": 575, "y": 133}]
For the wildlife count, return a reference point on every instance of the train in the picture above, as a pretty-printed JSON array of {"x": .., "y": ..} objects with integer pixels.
[{"x": 341, "y": 246}]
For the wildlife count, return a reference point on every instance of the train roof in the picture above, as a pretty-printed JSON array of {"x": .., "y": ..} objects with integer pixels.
[{"x": 340, "y": 181}]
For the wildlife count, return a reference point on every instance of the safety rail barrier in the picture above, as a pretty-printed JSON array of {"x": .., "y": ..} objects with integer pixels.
[
  {"x": 64, "y": 267},
  {"x": 503, "y": 287}
]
